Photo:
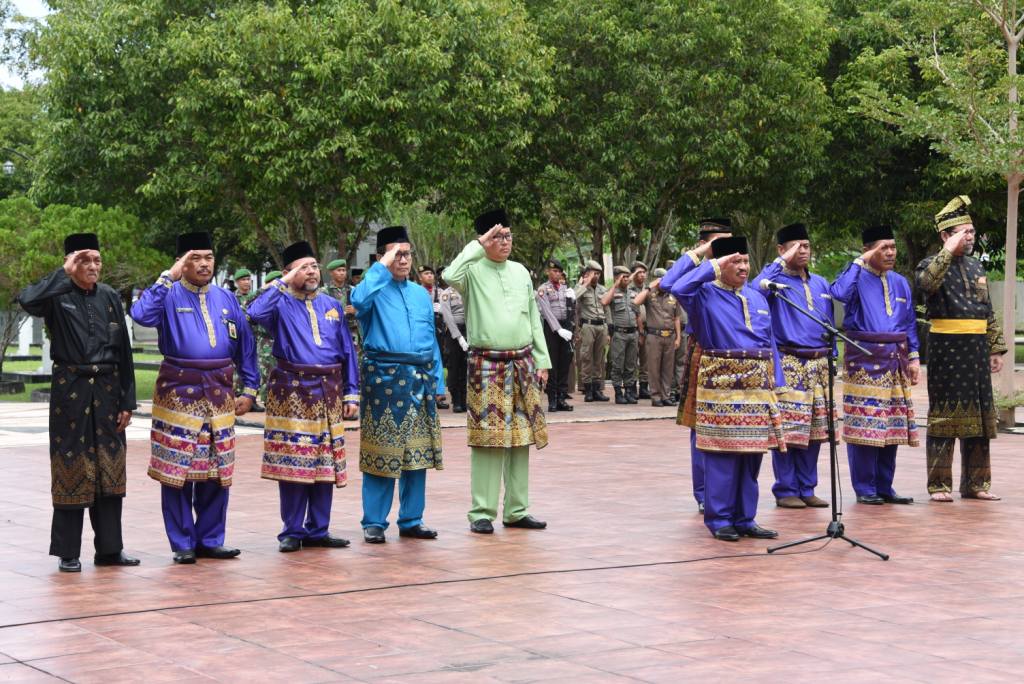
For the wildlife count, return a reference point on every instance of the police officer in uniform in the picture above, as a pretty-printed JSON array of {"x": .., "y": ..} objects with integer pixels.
[
  {"x": 555, "y": 302},
  {"x": 637, "y": 283},
  {"x": 624, "y": 336},
  {"x": 428, "y": 282},
  {"x": 593, "y": 331},
  {"x": 454, "y": 314}
]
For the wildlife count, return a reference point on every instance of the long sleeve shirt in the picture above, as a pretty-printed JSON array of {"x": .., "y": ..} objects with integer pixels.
[
  {"x": 876, "y": 301},
  {"x": 808, "y": 291},
  {"x": 308, "y": 329},
  {"x": 554, "y": 302},
  {"x": 199, "y": 323},
  {"x": 684, "y": 264},
  {"x": 957, "y": 288},
  {"x": 501, "y": 309},
  {"x": 725, "y": 317},
  {"x": 453, "y": 312},
  {"x": 397, "y": 316},
  {"x": 85, "y": 326}
]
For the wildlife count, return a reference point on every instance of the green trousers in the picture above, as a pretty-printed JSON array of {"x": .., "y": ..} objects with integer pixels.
[{"x": 487, "y": 467}]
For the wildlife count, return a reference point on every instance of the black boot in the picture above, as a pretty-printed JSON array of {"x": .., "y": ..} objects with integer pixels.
[
  {"x": 563, "y": 405},
  {"x": 645, "y": 392},
  {"x": 599, "y": 394},
  {"x": 620, "y": 397},
  {"x": 552, "y": 404},
  {"x": 630, "y": 392},
  {"x": 588, "y": 392}
]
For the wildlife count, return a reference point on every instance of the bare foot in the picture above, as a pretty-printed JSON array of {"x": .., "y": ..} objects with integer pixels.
[
  {"x": 944, "y": 497},
  {"x": 984, "y": 495}
]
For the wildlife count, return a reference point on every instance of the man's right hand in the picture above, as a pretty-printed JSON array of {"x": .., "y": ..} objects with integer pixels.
[
  {"x": 390, "y": 255},
  {"x": 463, "y": 343},
  {"x": 729, "y": 258},
  {"x": 179, "y": 265},
  {"x": 955, "y": 244},
  {"x": 488, "y": 238},
  {"x": 69, "y": 261},
  {"x": 790, "y": 253}
]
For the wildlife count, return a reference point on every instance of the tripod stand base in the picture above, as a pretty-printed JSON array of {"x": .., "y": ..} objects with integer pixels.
[{"x": 835, "y": 530}]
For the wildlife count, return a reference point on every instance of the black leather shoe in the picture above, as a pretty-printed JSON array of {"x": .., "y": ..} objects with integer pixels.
[
  {"x": 563, "y": 405},
  {"x": 256, "y": 408},
  {"x": 69, "y": 565},
  {"x": 657, "y": 402},
  {"x": 874, "y": 500},
  {"x": 527, "y": 522},
  {"x": 374, "y": 534},
  {"x": 218, "y": 552},
  {"x": 481, "y": 526},
  {"x": 328, "y": 542},
  {"x": 442, "y": 404},
  {"x": 115, "y": 559},
  {"x": 186, "y": 557},
  {"x": 552, "y": 406},
  {"x": 758, "y": 532},
  {"x": 458, "y": 408},
  {"x": 726, "y": 534},
  {"x": 289, "y": 545},
  {"x": 417, "y": 532},
  {"x": 897, "y": 499},
  {"x": 599, "y": 394},
  {"x": 700, "y": 507}
]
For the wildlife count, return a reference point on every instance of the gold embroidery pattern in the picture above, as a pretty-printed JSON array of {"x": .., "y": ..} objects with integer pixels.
[
  {"x": 313, "y": 322},
  {"x": 885, "y": 294},
  {"x": 210, "y": 332}
]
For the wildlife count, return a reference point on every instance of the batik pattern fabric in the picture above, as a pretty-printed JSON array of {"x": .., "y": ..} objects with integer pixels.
[
  {"x": 686, "y": 414},
  {"x": 804, "y": 406},
  {"x": 503, "y": 401},
  {"x": 877, "y": 408},
  {"x": 960, "y": 400},
  {"x": 737, "y": 411},
  {"x": 304, "y": 436},
  {"x": 193, "y": 432},
  {"x": 87, "y": 453},
  {"x": 399, "y": 426}
]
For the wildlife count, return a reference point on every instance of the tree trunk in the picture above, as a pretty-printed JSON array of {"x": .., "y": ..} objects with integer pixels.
[
  {"x": 597, "y": 240},
  {"x": 1013, "y": 181}
]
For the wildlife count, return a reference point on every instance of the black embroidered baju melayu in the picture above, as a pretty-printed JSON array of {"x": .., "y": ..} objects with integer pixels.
[{"x": 93, "y": 381}]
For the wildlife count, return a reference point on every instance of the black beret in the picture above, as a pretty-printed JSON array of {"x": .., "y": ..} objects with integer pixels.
[
  {"x": 391, "y": 235},
  {"x": 725, "y": 246},
  {"x": 555, "y": 263},
  {"x": 79, "y": 241},
  {"x": 296, "y": 250},
  {"x": 487, "y": 220},
  {"x": 193, "y": 241},
  {"x": 876, "y": 233},
  {"x": 794, "y": 231}
]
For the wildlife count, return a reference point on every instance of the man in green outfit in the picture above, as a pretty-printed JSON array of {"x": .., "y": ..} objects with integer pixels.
[
  {"x": 339, "y": 288},
  {"x": 508, "y": 360},
  {"x": 243, "y": 283}
]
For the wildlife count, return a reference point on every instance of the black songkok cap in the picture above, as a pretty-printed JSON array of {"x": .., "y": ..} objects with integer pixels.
[
  {"x": 392, "y": 234},
  {"x": 724, "y": 246},
  {"x": 79, "y": 241},
  {"x": 357, "y": 271},
  {"x": 193, "y": 241},
  {"x": 555, "y": 263},
  {"x": 426, "y": 269},
  {"x": 876, "y": 233},
  {"x": 794, "y": 231},
  {"x": 484, "y": 222},
  {"x": 295, "y": 251},
  {"x": 710, "y": 226}
]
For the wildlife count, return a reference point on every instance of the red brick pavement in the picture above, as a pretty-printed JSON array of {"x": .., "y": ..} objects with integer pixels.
[{"x": 613, "y": 591}]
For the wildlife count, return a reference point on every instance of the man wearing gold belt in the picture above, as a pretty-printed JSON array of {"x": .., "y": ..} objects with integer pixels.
[{"x": 964, "y": 343}]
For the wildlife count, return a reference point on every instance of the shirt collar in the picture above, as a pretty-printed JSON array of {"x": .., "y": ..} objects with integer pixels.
[
  {"x": 718, "y": 283},
  {"x": 302, "y": 296},
  {"x": 194, "y": 288},
  {"x": 801, "y": 273},
  {"x": 867, "y": 267}
]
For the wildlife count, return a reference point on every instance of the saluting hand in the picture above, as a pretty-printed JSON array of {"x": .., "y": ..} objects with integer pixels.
[
  {"x": 955, "y": 244},
  {"x": 487, "y": 239},
  {"x": 179, "y": 265},
  {"x": 390, "y": 255},
  {"x": 790, "y": 253},
  {"x": 70, "y": 260},
  {"x": 729, "y": 258}
]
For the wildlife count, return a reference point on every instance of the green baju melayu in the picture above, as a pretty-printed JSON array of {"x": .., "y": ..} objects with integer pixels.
[{"x": 506, "y": 348}]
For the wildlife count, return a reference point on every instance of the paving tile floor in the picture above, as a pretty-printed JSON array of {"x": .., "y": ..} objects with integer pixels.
[{"x": 625, "y": 585}]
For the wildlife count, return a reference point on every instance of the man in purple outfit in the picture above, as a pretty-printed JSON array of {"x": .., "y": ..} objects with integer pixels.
[
  {"x": 878, "y": 414},
  {"x": 313, "y": 387},
  {"x": 804, "y": 365},
  {"x": 203, "y": 336},
  {"x": 737, "y": 414}
]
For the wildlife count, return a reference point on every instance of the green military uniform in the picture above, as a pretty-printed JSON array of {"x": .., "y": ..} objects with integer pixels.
[
  {"x": 243, "y": 301},
  {"x": 661, "y": 332},
  {"x": 623, "y": 354},
  {"x": 633, "y": 290},
  {"x": 342, "y": 293},
  {"x": 593, "y": 336}
]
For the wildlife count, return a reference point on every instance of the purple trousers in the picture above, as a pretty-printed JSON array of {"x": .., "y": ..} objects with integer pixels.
[
  {"x": 206, "y": 528},
  {"x": 696, "y": 468},
  {"x": 872, "y": 469},
  {"x": 305, "y": 509},
  {"x": 730, "y": 489},
  {"x": 796, "y": 471}
]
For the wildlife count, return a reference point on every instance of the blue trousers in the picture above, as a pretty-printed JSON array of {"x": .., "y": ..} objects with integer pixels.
[
  {"x": 796, "y": 471},
  {"x": 697, "y": 468},
  {"x": 305, "y": 509},
  {"x": 872, "y": 469},
  {"x": 210, "y": 502},
  {"x": 379, "y": 492},
  {"x": 730, "y": 496}
]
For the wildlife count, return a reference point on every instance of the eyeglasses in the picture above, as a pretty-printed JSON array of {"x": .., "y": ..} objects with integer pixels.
[
  {"x": 503, "y": 237},
  {"x": 399, "y": 256}
]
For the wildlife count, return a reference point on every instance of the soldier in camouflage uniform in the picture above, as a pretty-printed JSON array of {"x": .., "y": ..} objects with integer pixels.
[
  {"x": 265, "y": 348},
  {"x": 339, "y": 288},
  {"x": 244, "y": 294},
  {"x": 624, "y": 336}
]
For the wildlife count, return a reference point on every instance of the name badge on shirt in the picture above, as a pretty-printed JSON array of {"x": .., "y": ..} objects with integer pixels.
[
  {"x": 232, "y": 329},
  {"x": 763, "y": 312},
  {"x": 184, "y": 309},
  {"x": 69, "y": 306},
  {"x": 902, "y": 300}
]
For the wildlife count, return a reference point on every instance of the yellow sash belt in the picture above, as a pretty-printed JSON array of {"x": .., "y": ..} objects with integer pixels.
[{"x": 960, "y": 326}]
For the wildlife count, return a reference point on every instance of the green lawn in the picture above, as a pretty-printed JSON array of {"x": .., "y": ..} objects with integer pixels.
[{"x": 145, "y": 380}]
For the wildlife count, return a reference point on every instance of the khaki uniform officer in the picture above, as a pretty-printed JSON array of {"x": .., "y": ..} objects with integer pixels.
[
  {"x": 624, "y": 338},
  {"x": 593, "y": 332},
  {"x": 662, "y": 333}
]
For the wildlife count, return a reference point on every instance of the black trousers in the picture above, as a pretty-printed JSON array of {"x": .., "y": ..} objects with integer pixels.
[
  {"x": 66, "y": 530},
  {"x": 457, "y": 361},
  {"x": 560, "y": 352}
]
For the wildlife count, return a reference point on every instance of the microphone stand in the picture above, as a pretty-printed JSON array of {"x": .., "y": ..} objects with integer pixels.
[{"x": 836, "y": 529}]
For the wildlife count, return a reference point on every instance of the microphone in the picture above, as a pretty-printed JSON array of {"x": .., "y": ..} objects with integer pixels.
[{"x": 766, "y": 284}]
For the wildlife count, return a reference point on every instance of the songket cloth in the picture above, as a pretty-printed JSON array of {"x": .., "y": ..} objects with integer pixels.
[
  {"x": 737, "y": 411},
  {"x": 87, "y": 453},
  {"x": 686, "y": 414},
  {"x": 504, "y": 408},
  {"x": 304, "y": 436},
  {"x": 877, "y": 408},
  {"x": 399, "y": 426},
  {"x": 193, "y": 431},
  {"x": 960, "y": 397},
  {"x": 804, "y": 406}
]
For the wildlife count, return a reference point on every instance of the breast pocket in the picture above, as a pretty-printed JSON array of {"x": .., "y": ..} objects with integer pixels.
[{"x": 981, "y": 289}]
